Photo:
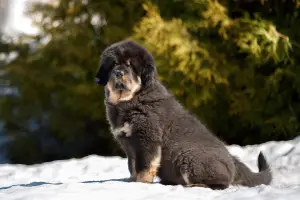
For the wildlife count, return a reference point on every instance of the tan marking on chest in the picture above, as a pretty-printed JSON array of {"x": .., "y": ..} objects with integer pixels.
[{"x": 126, "y": 128}]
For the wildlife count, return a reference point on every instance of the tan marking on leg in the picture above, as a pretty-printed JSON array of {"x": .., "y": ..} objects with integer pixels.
[
  {"x": 148, "y": 175},
  {"x": 186, "y": 178},
  {"x": 155, "y": 163}
]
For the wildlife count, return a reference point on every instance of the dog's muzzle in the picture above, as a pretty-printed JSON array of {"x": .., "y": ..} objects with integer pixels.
[
  {"x": 120, "y": 86},
  {"x": 118, "y": 74}
]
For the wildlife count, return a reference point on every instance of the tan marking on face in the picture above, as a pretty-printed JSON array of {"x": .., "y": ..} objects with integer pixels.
[
  {"x": 126, "y": 128},
  {"x": 134, "y": 87},
  {"x": 115, "y": 96},
  {"x": 126, "y": 80}
]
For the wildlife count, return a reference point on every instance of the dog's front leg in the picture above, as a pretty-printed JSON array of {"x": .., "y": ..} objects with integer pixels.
[
  {"x": 131, "y": 167},
  {"x": 147, "y": 163},
  {"x": 148, "y": 156}
]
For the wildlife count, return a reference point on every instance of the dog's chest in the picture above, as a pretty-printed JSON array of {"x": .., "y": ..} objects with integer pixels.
[
  {"x": 122, "y": 130},
  {"x": 120, "y": 123}
]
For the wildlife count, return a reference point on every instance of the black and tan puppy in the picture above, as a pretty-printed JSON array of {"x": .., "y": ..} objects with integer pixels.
[{"x": 159, "y": 136}]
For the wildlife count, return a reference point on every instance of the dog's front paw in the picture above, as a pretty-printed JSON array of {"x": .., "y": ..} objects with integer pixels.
[
  {"x": 146, "y": 176},
  {"x": 132, "y": 178}
]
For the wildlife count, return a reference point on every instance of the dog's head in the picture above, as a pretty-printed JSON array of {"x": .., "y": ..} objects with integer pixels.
[{"x": 125, "y": 69}]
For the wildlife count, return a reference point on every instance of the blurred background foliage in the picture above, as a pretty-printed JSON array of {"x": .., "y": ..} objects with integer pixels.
[{"x": 235, "y": 64}]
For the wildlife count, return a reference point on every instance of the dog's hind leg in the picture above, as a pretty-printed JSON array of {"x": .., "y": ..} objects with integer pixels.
[
  {"x": 214, "y": 183},
  {"x": 214, "y": 174}
]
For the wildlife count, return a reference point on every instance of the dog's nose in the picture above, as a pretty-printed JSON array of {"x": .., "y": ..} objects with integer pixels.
[
  {"x": 120, "y": 86},
  {"x": 119, "y": 73}
]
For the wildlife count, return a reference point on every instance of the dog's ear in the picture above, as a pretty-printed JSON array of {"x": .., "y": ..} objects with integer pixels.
[
  {"x": 148, "y": 70},
  {"x": 143, "y": 60},
  {"x": 103, "y": 72},
  {"x": 148, "y": 74}
]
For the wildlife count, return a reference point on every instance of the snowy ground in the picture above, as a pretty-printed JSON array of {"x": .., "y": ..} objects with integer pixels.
[{"x": 102, "y": 178}]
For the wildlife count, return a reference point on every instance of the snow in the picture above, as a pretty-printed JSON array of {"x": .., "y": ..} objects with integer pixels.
[{"x": 96, "y": 177}]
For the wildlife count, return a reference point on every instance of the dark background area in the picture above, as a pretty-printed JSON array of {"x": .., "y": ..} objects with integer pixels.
[{"x": 235, "y": 64}]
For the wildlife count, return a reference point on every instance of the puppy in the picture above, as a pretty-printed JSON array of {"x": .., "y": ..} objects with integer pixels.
[{"x": 160, "y": 137}]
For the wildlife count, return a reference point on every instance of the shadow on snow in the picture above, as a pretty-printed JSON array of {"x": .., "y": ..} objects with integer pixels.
[{"x": 36, "y": 184}]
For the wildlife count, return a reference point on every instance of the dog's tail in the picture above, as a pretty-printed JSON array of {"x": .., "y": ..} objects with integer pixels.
[{"x": 244, "y": 176}]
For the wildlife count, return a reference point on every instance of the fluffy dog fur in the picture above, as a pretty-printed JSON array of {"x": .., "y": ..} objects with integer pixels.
[{"x": 159, "y": 136}]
